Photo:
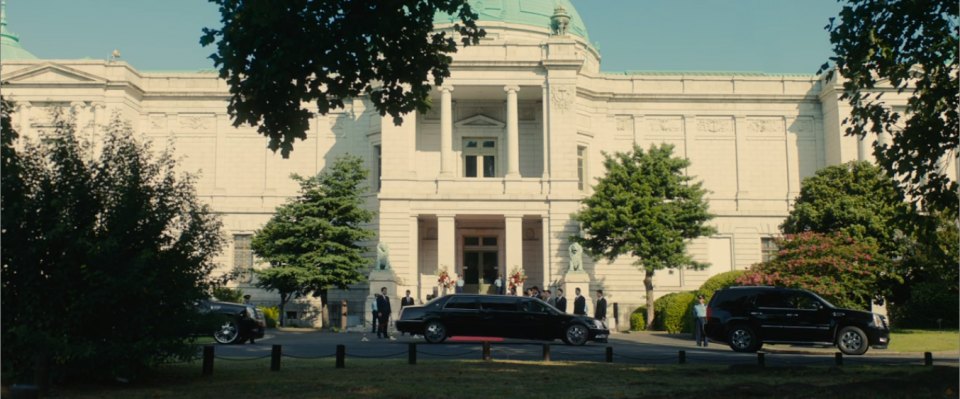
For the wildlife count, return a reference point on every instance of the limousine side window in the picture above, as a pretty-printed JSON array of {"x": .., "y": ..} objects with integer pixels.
[
  {"x": 499, "y": 304},
  {"x": 534, "y": 307},
  {"x": 462, "y": 303}
]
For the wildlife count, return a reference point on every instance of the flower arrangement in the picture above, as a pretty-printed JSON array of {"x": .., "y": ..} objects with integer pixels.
[
  {"x": 445, "y": 280},
  {"x": 516, "y": 278}
]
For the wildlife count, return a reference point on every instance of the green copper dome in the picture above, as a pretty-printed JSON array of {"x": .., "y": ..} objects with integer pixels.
[
  {"x": 525, "y": 12},
  {"x": 10, "y": 48}
]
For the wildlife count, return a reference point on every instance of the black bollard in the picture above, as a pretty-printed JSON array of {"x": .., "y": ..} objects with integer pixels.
[
  {"x": 546, "y": 352},
  {"x": 486, "y": 350},
  {"x": 683, "y": 357},
  {"x": 761, "y": 359},
  {"x": 412, "y": 353},
  {"x": 275, "y": 358},
  {"x": 927, "y": 359},
  {"x": 616, "y": 317},
  {"x": 609, "y": 354},
  {"x": 838, "y": 358},
  {"x": 341, "y": 353},
  {"x": 207, "y": 360}
]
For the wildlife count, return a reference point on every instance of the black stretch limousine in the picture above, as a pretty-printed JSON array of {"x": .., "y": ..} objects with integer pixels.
[{"x": 498, "y": 316}]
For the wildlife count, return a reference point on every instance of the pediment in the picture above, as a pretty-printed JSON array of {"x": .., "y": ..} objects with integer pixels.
[
  {"x": 52, "y": 73},
  {"x": 480, "y": 120}
]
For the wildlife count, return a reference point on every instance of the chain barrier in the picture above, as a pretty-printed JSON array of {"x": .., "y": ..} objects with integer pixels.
[
  {"x": 308, "y": 357},
  {"x": 445, "y": 355},
  {"x": 241, "y": 359},
  {"x": 649, "y": 358},
  {"x": 379, "y": 356}
]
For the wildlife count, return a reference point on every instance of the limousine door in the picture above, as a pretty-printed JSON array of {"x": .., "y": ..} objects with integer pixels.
[
  {"x": 501, "y": 317},
  {"x": 461, "y": 316}
]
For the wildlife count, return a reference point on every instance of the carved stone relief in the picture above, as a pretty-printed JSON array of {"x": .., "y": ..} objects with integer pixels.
[
  {"x": 664, "y": 125},
  {"x": 562, "y": 96},
  {"x": 765, "y": 126},
  {"x": 158, "y": 121},
  {"x": 196, "y": 122},
  {"x": 715, "y": 125}
]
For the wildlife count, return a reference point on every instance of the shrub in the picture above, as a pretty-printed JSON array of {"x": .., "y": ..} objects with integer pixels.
[
  {"x": 637, "y": 320},
  {"x": 271, "y": 314},
  {"x": 228, "y": 294},
  {"x": 932, "y": 305},
  {"x": 718, "y": 282},
  {"x": 673, "y": 312}
]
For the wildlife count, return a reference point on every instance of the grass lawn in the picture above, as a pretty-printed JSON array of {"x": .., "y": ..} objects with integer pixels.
[
  {"x": 924, "y": 340},
  {"x": 374, "y": 378}
]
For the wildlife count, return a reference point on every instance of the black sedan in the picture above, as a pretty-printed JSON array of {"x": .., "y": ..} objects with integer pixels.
[
  {"x": 498, "y": 316},
  {"x": 235, "y": 323}
]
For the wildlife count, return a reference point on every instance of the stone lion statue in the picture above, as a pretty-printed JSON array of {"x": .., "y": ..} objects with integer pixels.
[
  {"x": 383, "y": 256},
  {"x": 576, "y": 257}
]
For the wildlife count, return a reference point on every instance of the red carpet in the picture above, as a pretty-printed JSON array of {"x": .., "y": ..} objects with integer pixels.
[{"x": 475, "y": 339}]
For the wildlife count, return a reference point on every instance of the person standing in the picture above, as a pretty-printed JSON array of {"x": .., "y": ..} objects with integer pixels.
[
  {"x": 601, "y": 312},
  {"x": 700, "y": 321},
  {"x": 459, "y": 284},
  {"x": 579, "y": 304},
  {"x": 406, "y": 301},
  {"x": 375, "y": 315},
  {"x": 561, "y": 301},
  {"x": 501, "y": 285},
  {"x": 551, "y": 300},
  {"x": 383, "y": 311}
]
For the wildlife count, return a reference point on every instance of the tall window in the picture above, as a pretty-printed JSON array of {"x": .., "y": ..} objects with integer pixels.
[
  {"x": 768, "y": 249},
  {"x": 379, "y": 160},
  {"x": 243, "y": 257},
  {"x": 479, "y": 158},
  {"x": 581, "y": 167}
]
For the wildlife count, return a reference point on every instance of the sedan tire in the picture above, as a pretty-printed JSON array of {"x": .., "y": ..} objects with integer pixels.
[
  {"x": 852, "y": 341},
  {"x": 229, "y": 333},
  {"x": 434, "y": 332},
  {"x": 576, "y": 334}
]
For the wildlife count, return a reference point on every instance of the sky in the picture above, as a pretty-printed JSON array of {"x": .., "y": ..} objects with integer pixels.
[{"x": 772, "y": 36}]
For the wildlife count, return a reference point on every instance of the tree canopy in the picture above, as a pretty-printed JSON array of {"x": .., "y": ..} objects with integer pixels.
[
  {"x": 277, "y": 55},
  {"x": 648, "y": 208},
  {"x": 103, "y": 257},
  {"x": 313, "y": 242},
  {"x": 912, "y": 47}
]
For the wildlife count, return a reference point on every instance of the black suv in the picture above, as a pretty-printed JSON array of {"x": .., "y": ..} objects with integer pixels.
[{"x": 747, "y": 317}]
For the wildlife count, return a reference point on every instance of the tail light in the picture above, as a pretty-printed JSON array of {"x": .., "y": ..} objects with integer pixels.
[{"x": 709, "y": 312}]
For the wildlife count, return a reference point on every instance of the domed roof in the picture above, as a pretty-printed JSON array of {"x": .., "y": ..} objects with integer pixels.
[
  {"x": 525, "y": 12},
  {"x": 10, "y": 48}
]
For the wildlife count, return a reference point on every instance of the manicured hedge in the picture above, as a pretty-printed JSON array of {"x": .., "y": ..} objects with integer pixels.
[
  {"x": 674, "y": 312},
  {"x": 722, "y": 280},
  {"x": 638, "y": 319}
]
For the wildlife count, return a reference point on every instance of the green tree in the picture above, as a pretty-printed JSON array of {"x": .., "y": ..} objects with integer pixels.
[
  {"x": 648, "y": 208},
  {"x": 847, "y": 272},
  {"x": 911, "y": 46},
  {"x": 278, "y": 54},
  {"x": 312, "y": 243},
  {"x": 103, "y": 258},
  {"x": 856, "y": 198}
]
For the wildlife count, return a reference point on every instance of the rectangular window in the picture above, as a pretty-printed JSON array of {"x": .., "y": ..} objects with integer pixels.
[
  {"x": 581, "y": 167},
  {"x": 768, "y": 249},
  {"x": 243, "y": 257},
  {"x": 479, "y": 158},
  {"x": 377, "y": 149}
]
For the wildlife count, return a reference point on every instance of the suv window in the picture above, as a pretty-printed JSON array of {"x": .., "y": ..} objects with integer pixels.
[
  {"x": 732, "y": 299},
  {"x": 499, "y": 304},
  {"x": 467, "y": 303},
  {"x": 771, "y": 299},
  {"x": 802, "y": 300}
]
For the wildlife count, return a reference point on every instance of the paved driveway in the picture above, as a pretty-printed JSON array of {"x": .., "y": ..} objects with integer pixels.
[{"x": 639, "y": 348}]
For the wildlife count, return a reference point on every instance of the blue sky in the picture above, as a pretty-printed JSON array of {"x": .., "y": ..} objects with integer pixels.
[{"x": 774, "y": 36}]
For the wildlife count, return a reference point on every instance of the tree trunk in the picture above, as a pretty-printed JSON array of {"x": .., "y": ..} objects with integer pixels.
[
  {"x": 648, "y": 284},
  {"x": 324, "y": 313},
  {"x": 283, "y": 304}
]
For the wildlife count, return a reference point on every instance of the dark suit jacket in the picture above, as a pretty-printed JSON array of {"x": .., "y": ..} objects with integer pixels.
[
  {"x": 562, "y": 304},
  {"x": 406, "y": 301},
  {"x": 383, "y": 305},
  {"x": 601, "y": 312},
  {"x": 579, "y": 305}
]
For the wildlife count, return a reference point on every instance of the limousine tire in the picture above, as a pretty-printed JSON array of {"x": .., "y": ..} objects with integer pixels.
[
  {"x": 228, "y": 333},
  {"x": 576, "y": 334},
  {"x": 434, "y": 332}
]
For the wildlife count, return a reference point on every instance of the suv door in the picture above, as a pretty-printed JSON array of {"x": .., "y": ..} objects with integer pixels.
[
  {"x": 812, "y": 321},
  {"x": 772, "y": 314}
]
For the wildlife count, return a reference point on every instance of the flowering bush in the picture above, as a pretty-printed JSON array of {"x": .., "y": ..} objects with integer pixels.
[
  {"x": 445, "y": 280},
  {"x": 516, "y": 278}
]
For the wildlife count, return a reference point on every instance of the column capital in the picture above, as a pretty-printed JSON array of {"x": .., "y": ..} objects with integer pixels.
[
  {"x": 511, "y": 88},
  {"x": 446, "y": 88}
]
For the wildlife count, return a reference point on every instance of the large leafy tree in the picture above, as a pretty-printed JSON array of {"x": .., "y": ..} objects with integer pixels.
[
  {"x": 848, "y": 272},
  {"x": 103, "y": 258},
  {"x": 648, "y": 208},
  {"x": 313, "y": 241},
  {"x": 857, "y": 198},
  {"x": 910, "y": 46},
  {"x": 277, "y": 55}
]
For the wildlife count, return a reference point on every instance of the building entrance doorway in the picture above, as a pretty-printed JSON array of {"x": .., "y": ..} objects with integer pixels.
[{"x": 480, "y": 264}]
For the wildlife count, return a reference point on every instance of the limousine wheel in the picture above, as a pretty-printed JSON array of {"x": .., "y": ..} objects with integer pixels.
[
  {"x": 228, "y": 333},
  {"x": 852, "y": 341},
  {"x": 435, "y": 332},
  {"x": 576, "y": 335}
]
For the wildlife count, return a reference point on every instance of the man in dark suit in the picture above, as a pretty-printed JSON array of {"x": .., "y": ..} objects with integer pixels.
[
  {"x": 579, "y": 304},
  {"x": 406, "y": 301},
  {"x": 561, "y": 301},
  {"x": 601, "y": 312},
  {"x": 383, "y": 313}
]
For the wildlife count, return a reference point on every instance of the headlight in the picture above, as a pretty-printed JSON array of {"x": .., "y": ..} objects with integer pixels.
[
  {"x": 879, "y": 321},
  {"x": 598, "y": 324},
  {"x": 251, "y": 312}
]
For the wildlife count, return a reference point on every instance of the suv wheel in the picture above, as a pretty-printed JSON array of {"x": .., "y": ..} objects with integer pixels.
[
  {"x": 852, "y": 341},
  {"x": 742, "y": 338}
]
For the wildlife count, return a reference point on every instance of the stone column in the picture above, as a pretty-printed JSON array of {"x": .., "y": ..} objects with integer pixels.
[
  {"x": 513, "y": 133},
  {"x": 513, "y": 244},
  {"x": 862, "y": 148},
  {"x": 446, "y": 131},
  {"x": 545, "y": 120},
  {"x": 446, "y": 245}
]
